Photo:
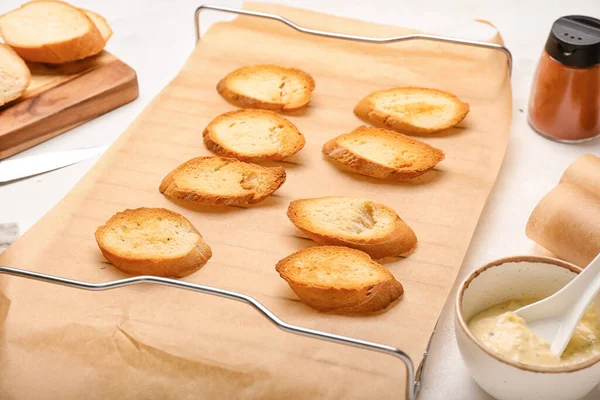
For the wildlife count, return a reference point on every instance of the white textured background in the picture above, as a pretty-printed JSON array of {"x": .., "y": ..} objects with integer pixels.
[{"x": 155, "y": 38}]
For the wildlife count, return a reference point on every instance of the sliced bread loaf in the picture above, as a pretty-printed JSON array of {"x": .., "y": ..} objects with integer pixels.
[
  {"x": 221, "y": 181},
  {"x": 50, "y": 32},
  {"x": 353, "y": 222},
  {"x": 152, "y": 241},
  {"x": 253, "y": 134},
  {"x": 335, "y": 278},
  {"x": 14, "y": 75},
  {"x": 100, "y": 23},
  {"x": 383, "y": 154},
  {"x": 269, "y": 87},
  {"x": 412, "y": 111}
]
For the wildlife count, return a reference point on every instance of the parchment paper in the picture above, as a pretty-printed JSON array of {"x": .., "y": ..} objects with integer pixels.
[
  {"x": 155, "y": 343},
  {"x": 567, "y": 220}
]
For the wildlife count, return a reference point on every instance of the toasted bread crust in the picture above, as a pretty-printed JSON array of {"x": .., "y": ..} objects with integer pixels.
[
  {"x": 275, "y": 178},
  {"x": 367, "y": 110},
  {"x": 224, "y": 149},
  {"x": 361, "y": 299},
  {"x": 401, "y": 241},
  {"x": 431, "y": 156},
  {"x": 7, "y": 96},
  {"x": 101, "y": 23},
  {"x": 195, "y": 259},
  {"x": 247, "y": 101},
  {"x": 77, "y": 48}
]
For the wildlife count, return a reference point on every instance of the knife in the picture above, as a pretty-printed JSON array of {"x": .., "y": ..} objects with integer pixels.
[{"x": 23, "y": 167}]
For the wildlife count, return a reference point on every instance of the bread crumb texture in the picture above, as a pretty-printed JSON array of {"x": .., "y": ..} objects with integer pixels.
[
  {"x": 14, "y": 75},
  {"x": 253, "y": 134},
  {"x": 353, "y": 222},
  {"x": 269, "y": 87},
  {"x": 340, "y": 279},
  {"x": 145, "y": 233},
  {"x": 412, "y": 111},
  {"x": 383, "y": 154},
  {"x": 222, "y": 181},
  {"x": 350, "y": 217},
  {"x": 152, "y": 241},
  {"x": 334, "y": 267},
  {"x": 51, "y": 32}
]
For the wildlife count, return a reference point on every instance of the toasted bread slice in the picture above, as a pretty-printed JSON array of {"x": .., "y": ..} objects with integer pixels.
[
  {"x": 221, "y": 181},
  {"x": 269, "y": 87},
  {"x": 353, "y": 222},
  {"x": 383, "y": 154},
  {"x": 152, "y": 241},
  {"x": 50, "y": 32},
  {"x": 412, "y": 111},
  {"x": 335, "y": 278},
  {"x": 253, "y": 134},
  {"x": 14, "y": 75},
  {"x": 100, "y": 23}
]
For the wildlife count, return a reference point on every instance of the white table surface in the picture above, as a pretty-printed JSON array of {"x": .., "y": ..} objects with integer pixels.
[{"x": 155, "y": 38}]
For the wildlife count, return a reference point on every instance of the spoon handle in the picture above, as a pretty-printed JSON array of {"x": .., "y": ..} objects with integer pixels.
[{"x": 583, "y": 289}]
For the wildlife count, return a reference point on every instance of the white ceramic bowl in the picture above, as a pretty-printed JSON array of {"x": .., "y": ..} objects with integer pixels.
[{"x": 501, "y": 377}]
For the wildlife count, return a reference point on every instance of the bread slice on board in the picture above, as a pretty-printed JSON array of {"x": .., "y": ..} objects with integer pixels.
[
  {"x": 253, "y": 134},
  {"x": 383, "y": 154},
  {"x": 340, "y": 279},
  {"x": 412, "y": 111},
  {"x": 217, "y": 181},
  {"x": 14, "y": 75},
  {"x": 152, "y": 241},
  {"x": 353, "y": 222},
  {"x": 50, "y": 32},
  {"x": 100, "y": 23},
  {"x": 269, "y": 87}
]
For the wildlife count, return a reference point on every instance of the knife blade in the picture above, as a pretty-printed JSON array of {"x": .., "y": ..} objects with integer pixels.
[{"x": 23, "y": 167}]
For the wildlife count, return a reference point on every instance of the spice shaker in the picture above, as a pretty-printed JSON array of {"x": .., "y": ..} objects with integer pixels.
[{"x": 565, "y": 95}]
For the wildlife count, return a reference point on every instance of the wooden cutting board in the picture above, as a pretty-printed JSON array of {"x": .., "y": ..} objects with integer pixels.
[
  {"x": 149, "y": 342},
  {"x": 62, "y": 97}
]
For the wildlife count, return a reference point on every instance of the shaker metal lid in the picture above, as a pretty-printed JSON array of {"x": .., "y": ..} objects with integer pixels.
[{"x": 575, "y": 41}]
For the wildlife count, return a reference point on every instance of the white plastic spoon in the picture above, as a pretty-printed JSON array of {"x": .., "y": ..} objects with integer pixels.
[{"x": 555, "y": 318}]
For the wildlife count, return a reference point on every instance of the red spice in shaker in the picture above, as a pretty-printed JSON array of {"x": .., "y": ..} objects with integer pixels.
[{"x": 565, "y": 96}]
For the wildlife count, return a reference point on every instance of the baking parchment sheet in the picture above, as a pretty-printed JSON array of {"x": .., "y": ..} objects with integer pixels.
[
  {"x": 567, "y": 220},
  {"x": 161, "y": 343}
]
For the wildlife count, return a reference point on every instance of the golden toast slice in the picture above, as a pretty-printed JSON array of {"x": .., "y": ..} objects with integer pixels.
[
  {"x": 14, "y": 75},
  {"x": 152, "y": 241},
  {"x": 353, "y": 222},
  {"x": 269, "y": 87},
  {"x": 383, "y": 154},
  {"x": 340, "y": 279},
  {"x": 253, "y": 134},
  {"x": 100, "y": 23},
  {"x": 412, "y": 111},
  {"x": 51, "y": 32},
  {"x": 221, "y": 181}
]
